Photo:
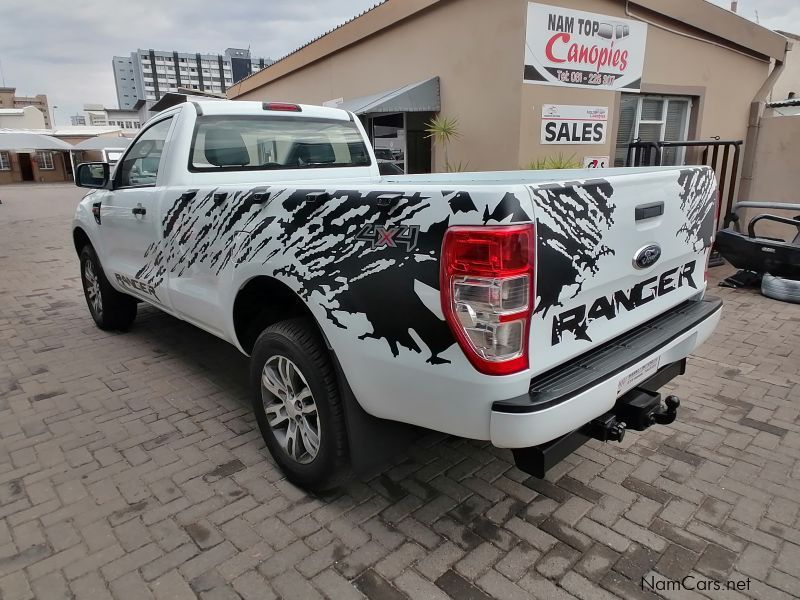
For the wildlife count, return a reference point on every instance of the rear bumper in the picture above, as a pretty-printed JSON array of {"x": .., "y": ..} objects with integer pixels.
[{"x": 566, "y": 398}]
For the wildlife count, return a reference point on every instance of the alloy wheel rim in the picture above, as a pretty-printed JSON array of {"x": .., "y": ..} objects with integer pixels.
[
  {"x": 92, "y": 288},
  {"x": 290, "y": 408}
]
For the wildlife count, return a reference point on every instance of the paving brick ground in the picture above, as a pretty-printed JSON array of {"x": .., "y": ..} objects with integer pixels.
[{"x": 130, "y": 468}]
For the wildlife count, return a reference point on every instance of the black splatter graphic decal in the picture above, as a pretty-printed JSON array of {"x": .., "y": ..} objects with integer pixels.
[
  {"x": 572, "y": 219},
  {"x": 312, "y": 246},
  {"x": 698, "y": 186}
]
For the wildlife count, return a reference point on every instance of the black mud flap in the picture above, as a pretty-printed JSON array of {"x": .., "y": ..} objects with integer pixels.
[
  {"x": 373, "y": 442},
  {"x": 637, "y": 409}
]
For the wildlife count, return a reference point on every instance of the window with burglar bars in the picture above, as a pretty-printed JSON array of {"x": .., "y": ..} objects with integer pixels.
[
  {"x": 653, "y": 119},
  {"x": 5, "y": 161},
  {"x": 45, "y": 160}
]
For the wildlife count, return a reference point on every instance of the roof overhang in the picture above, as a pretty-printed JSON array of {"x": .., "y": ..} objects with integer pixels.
[
  {"x": 727, "y": 27},
  {"x": 708, "y": 20},
  {"x": 103, "y": 143},
  {"x": 422, "y": 96}
]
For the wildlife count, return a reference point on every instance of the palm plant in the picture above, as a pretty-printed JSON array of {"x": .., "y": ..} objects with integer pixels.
[
  {"x": 444, "y": 130},
  {"x": 554, "y": 162}
]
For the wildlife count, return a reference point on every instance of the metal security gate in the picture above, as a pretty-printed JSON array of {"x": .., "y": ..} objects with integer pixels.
[{"x": 721, "y": 155}]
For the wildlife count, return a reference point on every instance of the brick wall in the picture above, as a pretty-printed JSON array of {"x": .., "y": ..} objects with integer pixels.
[{"x": 59, "y": 172}]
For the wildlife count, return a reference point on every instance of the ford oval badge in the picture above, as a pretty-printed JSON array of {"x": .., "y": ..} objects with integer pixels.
[{"x": 646, "y": 257}]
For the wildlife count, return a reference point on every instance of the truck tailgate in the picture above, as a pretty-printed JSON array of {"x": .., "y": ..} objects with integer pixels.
[{"x": 615, "y": 252}]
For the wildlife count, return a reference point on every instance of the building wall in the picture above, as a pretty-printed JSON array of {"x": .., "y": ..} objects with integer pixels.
[
  {"x": 38, "y": 101},
  {"x": 674, "y": 64},
  {"x": 14, "y": 175},
  {"x": 480, "y": 81},
  {"x": 30, "y": 118},
  {"x": 125, "y": 81},
  {"x": 776, "y": 177},
  {"x": 789, "y": 80},
  {"x": 477, "y": 49},
  {"x": 58, "y": 174},
  {"x": 9, "y": 99}
]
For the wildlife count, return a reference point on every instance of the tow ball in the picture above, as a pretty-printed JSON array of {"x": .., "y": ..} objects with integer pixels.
[{"x": 638, "y": 409}]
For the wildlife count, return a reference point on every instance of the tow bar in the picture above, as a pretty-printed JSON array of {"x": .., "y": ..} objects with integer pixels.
[{"x": 637, "y": 409}]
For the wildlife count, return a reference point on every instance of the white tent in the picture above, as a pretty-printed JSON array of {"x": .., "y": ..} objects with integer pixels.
[{"x": 21, "y": 141}]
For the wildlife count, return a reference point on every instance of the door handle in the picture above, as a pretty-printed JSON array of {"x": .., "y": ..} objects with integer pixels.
[
  {"x": 648, "y": 211},
  {"x": 318, "y": 197},
  {"x": 139, "y": 210},
  {"x": 385, "y": 200},
  {"x": 219, "y": 197}
]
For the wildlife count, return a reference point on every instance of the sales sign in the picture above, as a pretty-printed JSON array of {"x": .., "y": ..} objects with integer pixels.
[
  {"x": 581, "y": 49},
  {"x": 569, "y": 124}
]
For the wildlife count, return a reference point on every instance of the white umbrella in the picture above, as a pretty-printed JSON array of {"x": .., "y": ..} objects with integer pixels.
[{"x": 21, "y": 141}]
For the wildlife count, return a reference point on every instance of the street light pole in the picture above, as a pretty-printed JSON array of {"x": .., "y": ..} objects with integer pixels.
[{"x": 54, "y": 116}]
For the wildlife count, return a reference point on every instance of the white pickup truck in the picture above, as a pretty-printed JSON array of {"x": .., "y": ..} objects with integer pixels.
[{"x": 532, "y": 309}]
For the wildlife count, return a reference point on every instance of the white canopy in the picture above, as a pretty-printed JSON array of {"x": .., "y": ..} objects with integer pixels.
[
  {"x": 20, "y": 141},
  {"x": 103, "y": 143}
]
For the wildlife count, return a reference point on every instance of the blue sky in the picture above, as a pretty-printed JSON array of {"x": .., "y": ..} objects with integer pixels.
[{"x": 64, "y": 49}]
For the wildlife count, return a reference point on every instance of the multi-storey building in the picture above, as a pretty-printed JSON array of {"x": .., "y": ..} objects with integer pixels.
[
  {"x": 77, "y": 120},
  {"x": 99, "y": 116},
  {"x": 9, "y": 99},
  {"x": 149, "y": 74}
]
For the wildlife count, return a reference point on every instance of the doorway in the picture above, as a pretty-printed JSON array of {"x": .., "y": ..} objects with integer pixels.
[
  {"x": 401, "y": 139},
  {"x": 25, "y": 167},
  {"x": 389, "y": 139}
]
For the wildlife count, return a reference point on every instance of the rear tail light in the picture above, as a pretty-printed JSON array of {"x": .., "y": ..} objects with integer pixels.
[{"x": 487, "y": 294}]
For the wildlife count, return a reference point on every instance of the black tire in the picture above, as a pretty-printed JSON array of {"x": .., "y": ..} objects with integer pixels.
[
  {"x": 299, "y": 341},
  {"x": 114, "y": 310}
]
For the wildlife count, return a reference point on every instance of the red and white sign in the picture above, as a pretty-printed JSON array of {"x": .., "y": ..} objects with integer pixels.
[
  {"x": 595, "y": 162},
  {"x": 581, "y": 49},
  {"x": 571, "y": 124}
]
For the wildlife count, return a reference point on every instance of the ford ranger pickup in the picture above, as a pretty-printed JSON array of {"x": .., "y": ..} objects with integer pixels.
[{"x": 533, "y": 309}]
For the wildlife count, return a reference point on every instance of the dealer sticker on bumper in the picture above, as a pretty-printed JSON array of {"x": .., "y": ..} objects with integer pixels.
[{"x": 640, "y": 374}]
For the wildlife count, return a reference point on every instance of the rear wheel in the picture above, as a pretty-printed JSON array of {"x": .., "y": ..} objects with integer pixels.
[
  {"x": 109, "y": 308},
  {"x": 297, "y": 404}
]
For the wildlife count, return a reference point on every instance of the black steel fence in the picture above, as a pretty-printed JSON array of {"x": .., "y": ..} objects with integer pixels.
[{"x": 721, "y": 155}]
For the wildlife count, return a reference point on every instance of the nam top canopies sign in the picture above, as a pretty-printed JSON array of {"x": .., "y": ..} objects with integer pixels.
[{"x": 581, "y": 49}]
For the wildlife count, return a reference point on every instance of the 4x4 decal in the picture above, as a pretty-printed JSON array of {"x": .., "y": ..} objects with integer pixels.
[{"x": 391, "y": 237}]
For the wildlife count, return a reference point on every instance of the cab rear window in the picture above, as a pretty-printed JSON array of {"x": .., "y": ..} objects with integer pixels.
[{"x": 244, "y": 143}]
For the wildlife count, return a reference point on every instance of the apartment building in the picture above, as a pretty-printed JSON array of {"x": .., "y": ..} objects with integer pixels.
[
  {"x": 9, "y": 99},
  {"x": 146, "y": 75}
]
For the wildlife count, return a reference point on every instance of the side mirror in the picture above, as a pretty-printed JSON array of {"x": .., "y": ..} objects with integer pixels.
[{"x": 92, "y": 175}]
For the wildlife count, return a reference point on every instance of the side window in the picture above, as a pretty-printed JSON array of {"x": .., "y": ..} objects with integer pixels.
[{"x": 141, "y": 162}]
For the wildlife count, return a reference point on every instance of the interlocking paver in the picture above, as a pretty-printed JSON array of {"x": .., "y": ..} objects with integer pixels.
[{"x": 129, "y": 468}]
